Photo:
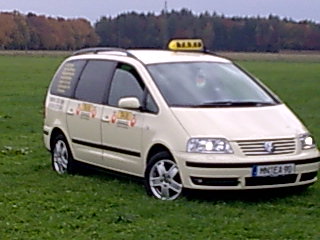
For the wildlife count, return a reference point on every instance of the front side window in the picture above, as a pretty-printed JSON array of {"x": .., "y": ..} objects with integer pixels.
[
  {"x": 94, "y": 80},
  {"x": 125, "y": 83},
  {"x": 207, "y": 84}
]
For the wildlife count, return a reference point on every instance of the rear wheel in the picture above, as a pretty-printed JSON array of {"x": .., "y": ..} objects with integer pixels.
[
  {"x": 162, "y": 177},
  {"x": 62, "y": 160}
]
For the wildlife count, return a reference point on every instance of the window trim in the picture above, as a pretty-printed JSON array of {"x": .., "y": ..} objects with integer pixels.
[{"x": 108, "y": 84}]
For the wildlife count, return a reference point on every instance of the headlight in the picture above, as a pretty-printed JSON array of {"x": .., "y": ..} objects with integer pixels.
[
  {"x": 209, "y": 145},
  {"x": 307, "y": 141}
]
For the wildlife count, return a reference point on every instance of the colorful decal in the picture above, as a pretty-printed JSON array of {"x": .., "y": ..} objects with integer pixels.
[
  {"x": 123, "y": 119},
  {"x": 86, "y": 111},
  {"x": 56, "y": 104}
]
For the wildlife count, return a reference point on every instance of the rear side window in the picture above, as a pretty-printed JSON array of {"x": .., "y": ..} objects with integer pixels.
[
  {"x": 66, "y": 79},
  {"x": 94, "y": 80}
]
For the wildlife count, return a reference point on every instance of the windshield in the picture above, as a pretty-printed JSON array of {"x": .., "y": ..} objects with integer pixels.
[{"x": 207, "y": 84}]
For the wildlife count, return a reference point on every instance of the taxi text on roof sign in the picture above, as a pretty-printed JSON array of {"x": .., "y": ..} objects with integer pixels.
[{"x": 186, "y": 45}]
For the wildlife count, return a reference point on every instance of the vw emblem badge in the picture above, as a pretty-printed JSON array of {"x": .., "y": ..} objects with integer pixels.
[{"x": 269, "y": 147}]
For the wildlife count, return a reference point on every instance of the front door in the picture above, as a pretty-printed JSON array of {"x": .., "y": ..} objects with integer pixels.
[{"x": 122, "y": 128}]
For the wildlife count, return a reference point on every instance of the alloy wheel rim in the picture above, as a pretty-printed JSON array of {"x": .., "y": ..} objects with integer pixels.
[
  {"x": 164, "y": 180},
  {"x": 60, "y": 157}
]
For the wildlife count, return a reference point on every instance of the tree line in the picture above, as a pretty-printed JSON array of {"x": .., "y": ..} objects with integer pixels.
[
  {"x": 149, "y": 30},
  {"x": 269, "y": 34},
  {"x": 18, "y": 31}
]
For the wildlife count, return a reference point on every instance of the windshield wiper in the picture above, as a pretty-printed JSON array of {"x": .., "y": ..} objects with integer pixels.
[{"x": 234, "y": 104}]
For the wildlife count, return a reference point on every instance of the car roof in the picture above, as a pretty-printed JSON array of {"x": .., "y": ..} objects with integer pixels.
[
  {"x": 152, "y": 56},
  {"x": 164, "y": 56}
]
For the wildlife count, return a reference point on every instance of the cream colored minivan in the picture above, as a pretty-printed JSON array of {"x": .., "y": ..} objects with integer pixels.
[{"x": 180, "y": 119}]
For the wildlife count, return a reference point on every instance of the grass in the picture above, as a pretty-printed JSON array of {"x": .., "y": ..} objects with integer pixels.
[{"x": 36, "y": 203}]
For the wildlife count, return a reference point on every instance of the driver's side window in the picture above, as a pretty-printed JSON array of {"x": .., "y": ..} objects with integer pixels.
[{"x": 126, "y": 82}]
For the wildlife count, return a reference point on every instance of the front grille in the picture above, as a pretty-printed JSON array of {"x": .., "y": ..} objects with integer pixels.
[
  {"x": 260, "y": 181},
  {"x": 258, "y": 148}
]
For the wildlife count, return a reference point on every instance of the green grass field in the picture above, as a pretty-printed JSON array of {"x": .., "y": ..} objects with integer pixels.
[{"x": 36, "y": 203}]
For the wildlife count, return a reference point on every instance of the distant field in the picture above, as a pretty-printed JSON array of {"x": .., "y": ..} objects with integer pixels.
[
  {"x": 34, "y": 53},
  {"x": 36, "y": 203}
]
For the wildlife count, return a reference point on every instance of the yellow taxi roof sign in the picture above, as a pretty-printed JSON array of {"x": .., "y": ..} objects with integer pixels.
[{"x": 186, "y": 45}]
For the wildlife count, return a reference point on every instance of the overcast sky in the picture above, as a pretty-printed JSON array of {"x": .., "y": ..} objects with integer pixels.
[{"x": 94, "y": 9}]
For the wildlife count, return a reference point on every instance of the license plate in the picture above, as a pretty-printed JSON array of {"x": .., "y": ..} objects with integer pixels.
[{"x": 273, "y": 170}]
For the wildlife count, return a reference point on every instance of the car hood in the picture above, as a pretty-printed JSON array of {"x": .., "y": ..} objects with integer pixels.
[{"x": 237, "y": 123}]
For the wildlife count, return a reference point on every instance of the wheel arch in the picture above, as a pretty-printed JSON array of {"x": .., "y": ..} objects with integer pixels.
[
  {"x": 54, "y": 133},
  {"x": 157, "y": 148}
]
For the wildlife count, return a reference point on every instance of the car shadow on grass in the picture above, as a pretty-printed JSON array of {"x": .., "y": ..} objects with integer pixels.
[
  {"x": 84, "y": 169},
  {"x": 254, "y": 196}
]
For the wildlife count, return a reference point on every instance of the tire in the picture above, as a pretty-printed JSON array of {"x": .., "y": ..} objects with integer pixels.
[
  {"x": 61, "y": 156},
  {"x": 162, "y": 178}
]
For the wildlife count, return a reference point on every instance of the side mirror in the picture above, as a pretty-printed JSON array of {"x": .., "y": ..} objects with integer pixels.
[{"x": 129, "y": 103}]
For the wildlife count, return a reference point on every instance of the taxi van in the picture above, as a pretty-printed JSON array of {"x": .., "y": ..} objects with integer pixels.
[{"x": 181, "y": 118}]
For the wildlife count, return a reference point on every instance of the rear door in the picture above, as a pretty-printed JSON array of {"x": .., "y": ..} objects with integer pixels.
[{"x": 84, "y": 112}]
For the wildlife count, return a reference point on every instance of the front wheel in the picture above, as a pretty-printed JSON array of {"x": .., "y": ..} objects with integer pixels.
[
  {"x": 62, "y": 160},
  {"x": 162, "y": 177}
]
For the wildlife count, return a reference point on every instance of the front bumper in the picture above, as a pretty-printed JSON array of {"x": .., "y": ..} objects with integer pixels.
[{"x": 226, "y": 172}]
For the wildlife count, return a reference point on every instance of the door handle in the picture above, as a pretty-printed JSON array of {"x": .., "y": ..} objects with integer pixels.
[
  {"x": 70, "y": 112},
  {"x": 105, "y": 119}
]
